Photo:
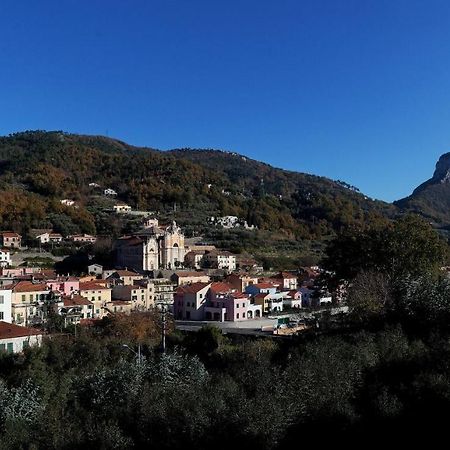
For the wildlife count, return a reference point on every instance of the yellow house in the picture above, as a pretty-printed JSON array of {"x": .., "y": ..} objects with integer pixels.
[
  {"x": 25, "y": 299},
  {"x": 99, "y": 294}
]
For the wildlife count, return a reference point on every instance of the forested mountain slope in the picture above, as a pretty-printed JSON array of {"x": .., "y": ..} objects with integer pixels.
[{"x": 38, "y": 169}]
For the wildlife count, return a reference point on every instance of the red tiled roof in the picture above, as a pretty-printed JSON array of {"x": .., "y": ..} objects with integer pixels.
[
  {"x": 192, "y": 288},
  {"x": 10, "y": 234},
  {"x": 93, "y": 285},
  {"x": 241, "y": 295},
  {"x": 28, "y": 286},
  {"x": 220, "y": 286},
  {"x": 11, "y": 330},
  {"x": 192, "y": 274},
  {"x": 284, "y": 275},
  {"x": 76, "y": 300},
  {"x": 126, "y": 273}
]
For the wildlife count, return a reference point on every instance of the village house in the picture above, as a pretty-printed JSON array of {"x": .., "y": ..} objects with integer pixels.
[
  {"x": 140, "y": 295},
  {"x": 227, "y": 304},
  {"x": 292, "y": 299},
  {"x": 240, "y": 281},
  {"x": 190, "y": 301},
  {"x": 46, "y": 238},
  {"x": 109, "y": 192},
  {"x": 5, "y": 258},
  {"x": 31, "y": 302},
  {"x": 124, "y": 277},
  {"x": 261, "y": 288},
  {"x": 286, "y": 280},
  {"x": 164, "y": 290},
  {"x": 95, "y": 269},
  {"x": 6, "y": 303},
  {"x": 15, "y": 339},
  {"x": 216, "y": 301},
  {"x": 10, "y": 240},
  {"x": 66, "y": 285},
  {"x": 82, "y": 238},
  {"x": 8, "y": 274},
  {"x": 194, "y": 259},
  {"x": 67, "y": 202},
  {"x": 269, "y": 302},
  {"x": 121, "y": 208},
  {"x": 182, "y": 278},
  {"x": 75, "y": 308},
  {"x": 220, "y": 259},
  {"x": 98, "y": 293},
  {"x": 119, "y": 307}
]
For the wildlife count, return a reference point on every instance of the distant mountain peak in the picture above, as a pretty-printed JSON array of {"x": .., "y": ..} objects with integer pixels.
[{"x": 442, "y": 172}]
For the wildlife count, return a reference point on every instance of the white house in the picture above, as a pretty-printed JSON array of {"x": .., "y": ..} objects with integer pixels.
[
  {"x": 45, "y": 238},
  {"x": 122, "y": 208},
  {"x": 220, "y": 259},
  {"x": 95, "y": 269},
  {"x": 109, "y": 191},
  {"x": 68, "y": 202},
  {"x": 5, "y": 304},
  {"x": 15, "y": 339},
  {"x": 5, "y": 258}
]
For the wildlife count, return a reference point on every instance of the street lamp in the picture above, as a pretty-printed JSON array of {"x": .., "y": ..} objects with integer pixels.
[{"x": 138, "y": 353}]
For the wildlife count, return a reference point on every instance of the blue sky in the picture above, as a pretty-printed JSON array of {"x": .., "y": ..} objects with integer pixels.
[{"x": 353, "y": 90}]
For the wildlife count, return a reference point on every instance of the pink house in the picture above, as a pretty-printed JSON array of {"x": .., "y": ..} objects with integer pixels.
[
  {"x": 227, "y": 304},
  {"x": 213, "y": 301},
  {"x": 65, "y": 285},
  {"x": 190, "y": 301}
]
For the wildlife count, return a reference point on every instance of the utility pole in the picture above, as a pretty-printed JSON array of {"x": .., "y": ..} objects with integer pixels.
[{"x": 163, "y": 328}]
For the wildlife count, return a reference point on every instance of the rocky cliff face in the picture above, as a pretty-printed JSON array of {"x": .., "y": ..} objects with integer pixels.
[
  {"x": 432, "y": 198},
  {"x": 442, "y": 172}
]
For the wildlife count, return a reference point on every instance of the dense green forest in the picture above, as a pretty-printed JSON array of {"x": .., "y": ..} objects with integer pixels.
[{"x": 38, "y": 169}]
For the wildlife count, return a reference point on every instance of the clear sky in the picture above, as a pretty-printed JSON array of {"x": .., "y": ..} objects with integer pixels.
[{"x": 353, "y": 90}]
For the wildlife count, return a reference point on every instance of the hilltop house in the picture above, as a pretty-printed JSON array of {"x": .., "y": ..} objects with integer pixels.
[
  {"x": 82, "y": 238},
  {"x": 10, "y": 239},
  {"x": 121, "y": 208}
]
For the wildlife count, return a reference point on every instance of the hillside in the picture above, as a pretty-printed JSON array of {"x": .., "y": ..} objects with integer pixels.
[
  {"x": 38, "y": 169},
  {"x": 432, "y": 198}
]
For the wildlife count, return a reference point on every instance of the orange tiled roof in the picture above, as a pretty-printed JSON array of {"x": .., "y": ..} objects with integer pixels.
[
  {"x": 192, "y": 288},
  {"x": 11, "y": 330},
  {"x": 28, "y": 286}
]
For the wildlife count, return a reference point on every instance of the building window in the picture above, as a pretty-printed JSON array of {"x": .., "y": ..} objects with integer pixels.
[
  {"x": 2, "y": 347},
  {"x": 2, "y": 315},
  {"x": 23, "y": 297},
  {"x": 9, "y": 347},
  {"x": 2, "y": 299}
]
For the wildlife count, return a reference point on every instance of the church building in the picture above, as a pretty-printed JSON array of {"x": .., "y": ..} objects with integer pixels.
[{"x": 153, "y": 247}]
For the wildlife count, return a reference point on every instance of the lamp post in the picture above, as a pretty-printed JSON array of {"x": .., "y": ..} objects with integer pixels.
[{"x": 138, "y": 353}]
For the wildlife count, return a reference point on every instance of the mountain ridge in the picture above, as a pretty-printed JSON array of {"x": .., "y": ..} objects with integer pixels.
[{"x": 45, "y": 167}]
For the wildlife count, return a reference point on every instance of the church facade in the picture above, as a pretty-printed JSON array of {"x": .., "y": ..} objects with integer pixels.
[{"x": 153, "y": 247}]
